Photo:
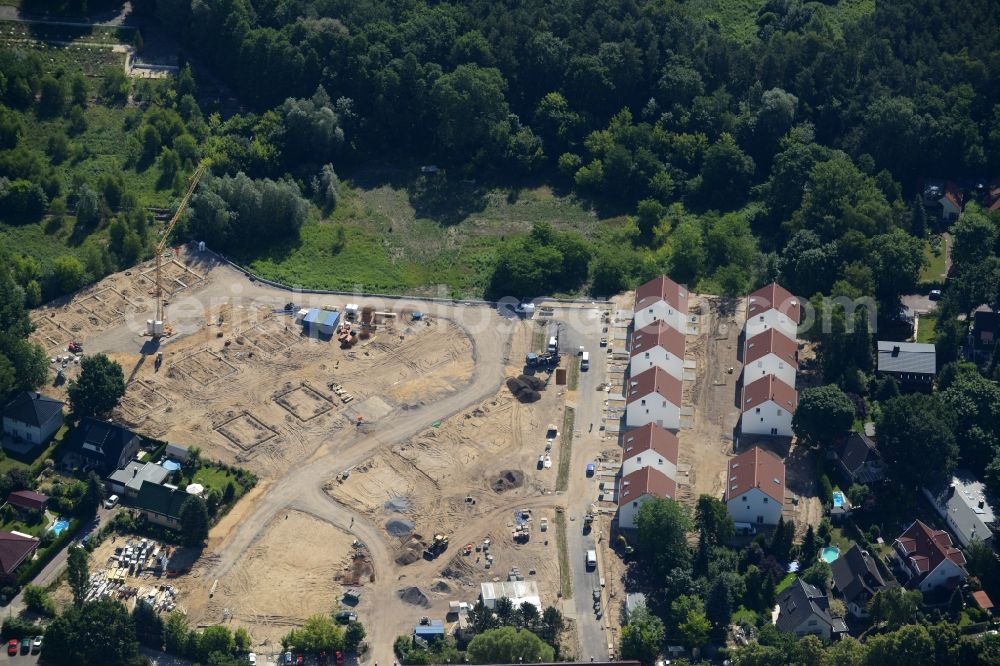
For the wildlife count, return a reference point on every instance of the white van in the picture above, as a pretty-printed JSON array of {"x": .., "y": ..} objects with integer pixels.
[
  {"x": 585, "y": 361},
  {"x": 591, "y": 559},
  {"x": 553, "y": 344}
]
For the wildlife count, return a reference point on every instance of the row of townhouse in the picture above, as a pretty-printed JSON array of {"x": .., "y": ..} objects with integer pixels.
[
  {"x": 652, "y": 397},
  {"x": 755, "y": 486}
]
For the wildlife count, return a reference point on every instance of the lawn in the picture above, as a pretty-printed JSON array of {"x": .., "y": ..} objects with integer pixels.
[
  {"x": 214, "y": 477},
  {"x": 398, "y": 243},
  {"x": 17, "y": 525},
  {"x": 785, "y": 582},
  {"x": 934, "y": 270},
  {"x": 574, "y": 373},
  {"x": 565, "y": 580},
  {"x": 927, "y": 328},
  {"x": 35, "y": 456}
]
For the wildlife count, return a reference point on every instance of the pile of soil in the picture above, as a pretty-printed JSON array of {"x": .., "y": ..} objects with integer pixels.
[
  {"x": 399, "y": 528},
  {"x": 508, "y": 480},
  {"x": 522, "y": 391},
  {"x": 413, "y": 595},
  {"x": 411, "y": 551},
  {"x": 441, "y": 587}
]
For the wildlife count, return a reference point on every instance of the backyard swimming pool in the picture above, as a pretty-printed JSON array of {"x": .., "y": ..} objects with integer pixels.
[
  {"x": 59, "y": 526},
  {"x": 170, "y": 465},
  {"x": 838, "y": 498},
  {"x": 830, "y": 554}
]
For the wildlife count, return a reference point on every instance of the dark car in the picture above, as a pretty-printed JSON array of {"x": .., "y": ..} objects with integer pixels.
[
  {"x": 25, "y": 645},
  {"x": 343, "y": 617}
]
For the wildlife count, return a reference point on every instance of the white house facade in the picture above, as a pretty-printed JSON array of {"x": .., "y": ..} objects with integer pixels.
[
  {"x": 768, "y": 405},
  {"x": 650, "y": 446},
  {"x": 755, "y": 489},
  {"x": 658, "y": 345},
  {"x": 660, "y": 299},
  {"x": 654, "y": 396},
  {"x": 772, "y": 307}
]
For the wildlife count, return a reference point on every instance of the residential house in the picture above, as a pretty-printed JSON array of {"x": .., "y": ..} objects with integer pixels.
[
  {"x": 983, "y": 601},
  {"x": 127, "y": 482},
  {"x": 986, "y": 328},
  {"x": 32, "y": 417},
  {"x": 755, "y": 491},
  {"x": 913, "y": 364},
  {"x": 773, "y": 306},
  {"x": 638, "y": 488},
  {"x": 658, "y": 345},
  {"x": 767, "y": 406},
  {"x": 928, "y": 558},
  {"x": 649, "y": 446},
  {"x": 26, "y": 501},
  {"x": 653, "y": 396},
  {"x": 770, "y": 353},
  {"x": 857, "y": 579},
  {"x": 15, "y": 549},
  {"x": 803, "y": 609},
  {"x": 964, "y": 507},
  {"x": 103, "y": 445},
  {"x": 943, "y": 200},
  {"x": 161, "y": 504},
  {"x": 858, "y": 459},
  {"x": 660, "y": 299}
]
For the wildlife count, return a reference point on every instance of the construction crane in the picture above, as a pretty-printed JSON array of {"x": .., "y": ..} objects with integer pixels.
[{"x": 155, "y": 327}]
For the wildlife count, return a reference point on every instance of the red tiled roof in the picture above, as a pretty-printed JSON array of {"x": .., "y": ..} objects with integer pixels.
[
  {"x": 927, "y": 548},
  {"x": 662, "y": 289},
  {"x": 27, "y": 499},
  {"x": 983, "y": 600},
  {"x": 767, "y": 388},
  {"x": 995, "y": 205},
  {"x": 658, "y": 334},
  {"x": 14, "y": 549},
  {"x": 756, "y": 468},
  {"x": 650, "y": 437},
  {"x": 654, "y": 380},
  {"x": 774, "y": 296},
  {"x": 646, "y": 481},
  {"x": 953, "y": 194},
  {"x": 771, "y": 341}
]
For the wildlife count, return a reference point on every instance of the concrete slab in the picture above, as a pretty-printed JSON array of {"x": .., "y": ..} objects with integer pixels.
[
  {"x": 687, "y": 411},
  {"x": 687, "y": 423},
  {"x": 689, "y": 376},
  {"x": 690, "y": 364}
]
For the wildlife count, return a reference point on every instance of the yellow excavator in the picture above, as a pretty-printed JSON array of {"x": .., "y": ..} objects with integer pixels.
[{"x": 155, "y": 327}]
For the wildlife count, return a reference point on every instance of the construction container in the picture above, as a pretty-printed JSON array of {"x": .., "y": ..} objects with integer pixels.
[{"x": 560, "y": 376}]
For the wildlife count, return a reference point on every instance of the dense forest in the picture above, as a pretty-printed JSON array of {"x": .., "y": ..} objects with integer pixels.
[{"x": 795, "y": 153}]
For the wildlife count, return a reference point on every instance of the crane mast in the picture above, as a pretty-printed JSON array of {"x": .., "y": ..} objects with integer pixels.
[{"x": 155, "y": 327}]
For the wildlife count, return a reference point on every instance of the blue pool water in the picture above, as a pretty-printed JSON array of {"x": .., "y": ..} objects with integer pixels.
[
  {"x": 830, "y": 554},
  {"x": 838, "y": 498},
  {"x": 171, "y": 465},
  {"x": 58, "y": 526}
]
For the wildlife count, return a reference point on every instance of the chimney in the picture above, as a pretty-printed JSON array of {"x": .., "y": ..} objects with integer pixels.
[
  {"x": 134, "y": 472},
  {"x": 982, "y": 504},
  {"x": 895, "y": 350},
  {"x": 951, "y": 489}
]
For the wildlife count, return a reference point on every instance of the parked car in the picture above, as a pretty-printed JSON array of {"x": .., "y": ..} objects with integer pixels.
[
  {"x": 591, "y": 469},
  {"x": 12, "y": 647},
  {"x": 36, "y": 645},
  {"x": 26, "y": 645},
  {"x": 111, "y": 502},
  {"x": 343, "y": 617},
  {"x": 935, "y": 295},
  {"x": 252, "y": 659},
  {"x": 289, "y": 659}
]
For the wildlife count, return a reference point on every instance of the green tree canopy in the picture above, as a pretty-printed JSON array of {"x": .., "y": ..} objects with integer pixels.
[
  {"x": 642, "y": 637},
  {"x": 194, "y": 521},
  {"x": 508, "y": 645},
  {"x": 99, "y": 387},
  {"x": 917, "y": 439},
  {"x": 823, "y": 413},
  {"x": 661, "y": 540}
]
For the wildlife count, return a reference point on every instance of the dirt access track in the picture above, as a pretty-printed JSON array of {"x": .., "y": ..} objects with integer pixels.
[{"x": 240, "y": 382}]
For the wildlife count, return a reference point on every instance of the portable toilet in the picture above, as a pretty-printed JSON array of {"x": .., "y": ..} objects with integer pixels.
[{"x": 417, "y": 316}]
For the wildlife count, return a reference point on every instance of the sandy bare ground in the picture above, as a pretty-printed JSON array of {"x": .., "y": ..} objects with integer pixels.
[{"x": 293, "y": 571}]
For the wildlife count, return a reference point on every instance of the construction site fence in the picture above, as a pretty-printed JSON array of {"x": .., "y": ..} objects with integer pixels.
[{"x": 429, "y": 299}]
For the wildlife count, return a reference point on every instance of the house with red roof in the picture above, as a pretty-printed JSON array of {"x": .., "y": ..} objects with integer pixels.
[
  {"x": 28, "y": 500},
  {"x": 15, "y": 549},
  {"x": 650, "y": 446},
  {"x": 658, "y": 345},
  {"x": 638, "y": 488},
  {"x": 770, "y": 353},
  {"x": 755, "y": 489},
  {"x": 653, "y": 396},
  {"x": 660, "y": 299},
  {"x": 773, "y": 306},
  {"x": 943, "y": 199},
  {"x": 767, "y": 405},
  {"x": 929, "y": 558}
]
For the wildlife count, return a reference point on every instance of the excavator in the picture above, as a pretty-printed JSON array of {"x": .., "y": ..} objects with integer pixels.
[{"x": 155, "y": 328}]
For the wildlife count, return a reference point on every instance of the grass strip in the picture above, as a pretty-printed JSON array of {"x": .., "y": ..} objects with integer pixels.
[
  {"x": 565, "y": 449},
  {"x": 565, "y": 581}
]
